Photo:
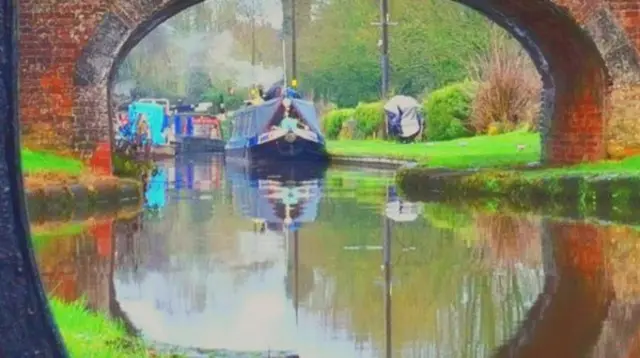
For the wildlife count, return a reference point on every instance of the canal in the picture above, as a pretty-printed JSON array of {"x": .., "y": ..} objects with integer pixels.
[{"x": 336, "y": 264}]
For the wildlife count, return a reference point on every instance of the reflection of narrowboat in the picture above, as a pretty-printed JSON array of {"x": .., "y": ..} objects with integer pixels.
[
  {"x": 193, "y": 173},
  {"x": 281, "y": 128},
  {"x": 280, "y": 204},
  {"x": 290, "y": 171}
]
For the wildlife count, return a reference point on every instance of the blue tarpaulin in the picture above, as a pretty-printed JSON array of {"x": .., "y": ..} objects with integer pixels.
[
  {"x": 156, "y": 190},
  {"x": 155, "y": 116}
]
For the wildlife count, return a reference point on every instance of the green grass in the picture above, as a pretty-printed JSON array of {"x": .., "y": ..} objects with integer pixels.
[
  {"x": 92, "y": 335},
  {"x": 500, "y": 151},
  {"x": 42, "y": 162},
  {"x": 628, "y": 166},
  {"x": 475, "y": 152}
]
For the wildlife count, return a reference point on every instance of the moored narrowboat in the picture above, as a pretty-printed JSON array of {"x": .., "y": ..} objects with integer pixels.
[{"x": 281, "y": 128}]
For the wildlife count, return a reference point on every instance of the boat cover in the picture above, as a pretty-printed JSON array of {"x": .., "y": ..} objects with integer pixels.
[
  {"x": 275, "y": 91},
  {"x": 404, "y": 117},
  {"x": 253, "y": 120},
  {"x": 308, "y": 111},
  {"x": 155, "y": 117}
]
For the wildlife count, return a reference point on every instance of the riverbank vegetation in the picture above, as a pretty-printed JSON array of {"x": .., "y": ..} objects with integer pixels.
[
  {"x": 39, "y": 162},
  {"x": 92, "y": 334},
  {"x": 86, "y": 333},
  {"x": 506, "y": 150}
]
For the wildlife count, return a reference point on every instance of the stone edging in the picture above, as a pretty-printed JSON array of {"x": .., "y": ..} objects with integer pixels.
[
  {"x": 609, "y": 198},
  {"x": 77, "y": 200},
  {"x": 372, "y": 162}
]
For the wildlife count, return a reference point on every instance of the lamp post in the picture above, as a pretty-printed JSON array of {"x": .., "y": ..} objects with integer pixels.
[{"x": 384, "y": 46}]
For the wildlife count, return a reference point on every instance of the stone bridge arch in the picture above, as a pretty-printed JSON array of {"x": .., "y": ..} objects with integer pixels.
[{"x": 586, "y": 52}]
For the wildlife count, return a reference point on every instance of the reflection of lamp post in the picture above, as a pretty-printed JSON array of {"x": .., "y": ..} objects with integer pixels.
[
  {"x": 386, "y": 266},
  {"x": 287, "y": 233},
  {"x": 389, "y": 215}
]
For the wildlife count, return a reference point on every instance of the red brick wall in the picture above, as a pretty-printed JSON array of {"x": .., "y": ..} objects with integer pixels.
[{"x": 69, "y": 46}]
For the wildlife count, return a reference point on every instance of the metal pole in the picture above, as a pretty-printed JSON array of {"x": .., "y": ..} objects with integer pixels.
[
  {"x": 295, "y": 272},
  {"x": 387, "y": 283},
  {"x": 284, "y": 60},
  {"x": 294, "y": 62},
  {"x": 253, "y": 33},
  {"x": 384, "y": 13},
  {"x": 384, "y": 46}
]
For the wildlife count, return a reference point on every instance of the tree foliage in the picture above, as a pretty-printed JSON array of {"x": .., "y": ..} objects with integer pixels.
[
  {"x": 429, "y": 47},
  {"x": 338, "y": 55}
]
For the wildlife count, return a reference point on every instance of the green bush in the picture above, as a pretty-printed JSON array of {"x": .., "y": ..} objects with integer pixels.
[
  {"x": 127, "y": 166},
  {"x": 333, "y": 120},
  {"x": 370, "y": 119},
  {"x": 448, "y": 110}
]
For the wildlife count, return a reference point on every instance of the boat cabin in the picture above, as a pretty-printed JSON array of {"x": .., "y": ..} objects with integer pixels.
[{"x": 276, "y": 113}]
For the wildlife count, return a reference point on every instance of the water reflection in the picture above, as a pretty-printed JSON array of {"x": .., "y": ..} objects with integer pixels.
[{"x": 337, "y": 266}]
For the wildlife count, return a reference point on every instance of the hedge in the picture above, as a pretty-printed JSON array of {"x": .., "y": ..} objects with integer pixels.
[
  {"x": 447, "y": 111},
  {"x": 333, "y": 121}
]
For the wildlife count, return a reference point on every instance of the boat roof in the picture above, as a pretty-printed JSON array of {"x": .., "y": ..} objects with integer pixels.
[{"x": 267, "y": 109}]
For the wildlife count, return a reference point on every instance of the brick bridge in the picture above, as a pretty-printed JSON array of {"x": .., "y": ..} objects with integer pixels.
[{"x": 585, "y": 50}]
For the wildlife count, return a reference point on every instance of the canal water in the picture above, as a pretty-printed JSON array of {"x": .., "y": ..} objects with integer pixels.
[{"x": 336, "y": 264}]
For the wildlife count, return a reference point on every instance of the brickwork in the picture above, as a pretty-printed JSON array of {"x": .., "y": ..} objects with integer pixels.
[{"x": 586, "y": 51}]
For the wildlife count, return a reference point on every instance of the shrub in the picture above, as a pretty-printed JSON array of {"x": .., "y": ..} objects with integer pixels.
[
  {"x": 508, "y": 95},
  {"x": 370, "y": 118},
  {"x": 332, "y": 122},
  {"x": 126, "y": 165},
  {"x": 447, "y": 111}
]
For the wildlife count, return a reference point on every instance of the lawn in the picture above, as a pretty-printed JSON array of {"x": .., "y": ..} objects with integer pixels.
[
  {"x": 41, "y": 162},
  {"x": 93, "y": 335},
  {"x": 86, "y": 333},
  {"x": 512, "y": 149},
  {"x": 627, "y": 166},
  {"x": 500, "y": 151}
]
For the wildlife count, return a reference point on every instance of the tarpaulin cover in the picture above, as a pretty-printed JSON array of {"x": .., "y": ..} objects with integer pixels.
[
  {"x": 308, "y": 111},
  {"x": 253, "y": 120},
  {"x": 404, "y": 117},
  {"x": 155, "y": 117},
  {"x": 276, "y": 91}
]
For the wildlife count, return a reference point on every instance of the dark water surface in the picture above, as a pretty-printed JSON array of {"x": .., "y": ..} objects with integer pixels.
[{"x": 339, "y": 266}]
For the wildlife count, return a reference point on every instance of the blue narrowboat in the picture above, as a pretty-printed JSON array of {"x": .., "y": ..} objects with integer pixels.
[{"x": 283, "y": 128}]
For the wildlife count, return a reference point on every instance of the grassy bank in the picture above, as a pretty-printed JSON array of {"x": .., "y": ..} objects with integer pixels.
[
  {"x": 505, "y": 150},
  {"x": 484, "y": 152},
  {"x": 41, "y": 162},
  {"x": 86, "y": 333},
  {"x": 90, "y": 334}
]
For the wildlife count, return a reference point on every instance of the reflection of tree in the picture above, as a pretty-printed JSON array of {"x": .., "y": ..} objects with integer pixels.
[{"x": 441, "y": 289}]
